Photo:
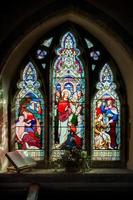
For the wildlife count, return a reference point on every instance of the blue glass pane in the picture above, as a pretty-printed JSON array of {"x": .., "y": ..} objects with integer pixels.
[
  {"x": 95, "y": 55},
  {"x": 41, "y": 54}
]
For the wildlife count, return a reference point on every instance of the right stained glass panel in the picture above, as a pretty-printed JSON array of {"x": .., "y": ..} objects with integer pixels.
[{"x": 106, "y": 138}]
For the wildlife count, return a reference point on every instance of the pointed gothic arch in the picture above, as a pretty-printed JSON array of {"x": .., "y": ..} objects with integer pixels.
[{"x": 90, "y": 56}]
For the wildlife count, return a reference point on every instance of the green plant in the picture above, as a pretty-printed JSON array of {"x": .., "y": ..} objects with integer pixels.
[{"x": 71, "y": 159}]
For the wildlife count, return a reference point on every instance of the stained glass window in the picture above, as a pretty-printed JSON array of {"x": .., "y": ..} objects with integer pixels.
[
  {"x": 93, "y": 67},
  {"x": 95, "y": 55},
  {"x": 41, "y": 54},
  {"x": 89, "y": 43},
  {"x": 30, "y": 114},
  {"x": 47, "y": 42},
  {"x": 43, "y": 65},
  {"x": 106, "y": 139},
  {"x": 68, "y": 95},
  {"x": 84, "y": 102}
]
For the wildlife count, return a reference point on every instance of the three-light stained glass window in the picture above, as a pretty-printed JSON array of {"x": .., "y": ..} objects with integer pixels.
[{"x": 83, "y": 99}]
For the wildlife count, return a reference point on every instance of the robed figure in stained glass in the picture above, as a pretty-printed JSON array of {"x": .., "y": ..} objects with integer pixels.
[
  {"x": 30, "y": 113},
  {"x": 111, "y": 113}
]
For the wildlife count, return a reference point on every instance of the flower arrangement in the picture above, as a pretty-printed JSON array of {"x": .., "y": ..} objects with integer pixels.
[
  {"x": 72, "y": 159},
  {"x": 75, "y": 160}
]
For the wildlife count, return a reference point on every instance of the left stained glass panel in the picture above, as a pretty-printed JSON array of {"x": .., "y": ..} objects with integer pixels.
[{"x": 30, "y": 114}]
